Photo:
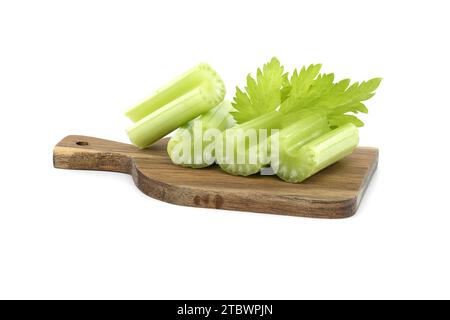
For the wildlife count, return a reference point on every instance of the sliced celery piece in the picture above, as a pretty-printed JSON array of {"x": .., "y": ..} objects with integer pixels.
[
  {"x": 255, "y": 153},
  {"x": 173, "y": 105},
  {"x": 250, "y": 163},
  {"x": 298, "y": 165},
  {"x": 300, "y": 132},
  {"x": 193, "y": 143}
]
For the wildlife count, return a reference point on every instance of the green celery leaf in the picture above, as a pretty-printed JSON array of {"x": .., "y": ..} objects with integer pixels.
[
  {"x": 286, "y": 87},
  {"x": 321, "y": 94},
  {"x": 300, "y": 84},
  {"x": 262, "y": 95},
  {"x": 340, "y": 120},
  {"x": 344, "y": 97}
]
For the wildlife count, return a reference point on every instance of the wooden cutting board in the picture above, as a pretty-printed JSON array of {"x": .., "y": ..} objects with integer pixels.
[{"x": 335, "y": 192}]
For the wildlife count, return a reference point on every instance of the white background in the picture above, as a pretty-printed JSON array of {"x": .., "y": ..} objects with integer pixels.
[{"x": 74, "y": 67}]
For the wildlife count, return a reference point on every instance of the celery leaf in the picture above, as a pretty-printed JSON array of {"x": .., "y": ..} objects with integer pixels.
[
  {"x": 300, "y": 84},
  {"x": 262, "y": 95}
]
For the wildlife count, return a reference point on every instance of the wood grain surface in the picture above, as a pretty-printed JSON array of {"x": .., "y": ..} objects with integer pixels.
[{"x": 335, "y": 192}]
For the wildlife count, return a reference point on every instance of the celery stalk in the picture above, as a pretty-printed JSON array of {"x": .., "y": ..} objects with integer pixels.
[
  {"x": 302, "y": 131},
  {"x": 256, "y": 153},
  {"x": 304, "y": 93},
  {"x": 251, "y": 163},
  {"x": 180, "y": 101},
  {"x": 298, "y": 165},
  {"x": 192, "y": 146}
]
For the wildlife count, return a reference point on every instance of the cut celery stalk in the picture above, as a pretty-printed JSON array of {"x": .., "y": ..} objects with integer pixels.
[
  {"x": 295, "y": 134},
  {"x": 180, "y": 101},
  {"x": 248, "y": 165},
  {"x": 256, "y": 153},
  {"x": 193, "y": 144},
  {"x": 292, "y": 138},
  {"x": 306, "y": 92},
  {"x": 296, "y": 166},
  {"x": 300, "y": 132}
]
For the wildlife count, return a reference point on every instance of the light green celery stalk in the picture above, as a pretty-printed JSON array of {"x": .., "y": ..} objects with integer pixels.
[
  {"x": 246, "y": 147},
  {"x": 193, "y": 144},
  {"x": 305, "y": 94},
  {"x": 191, "y": 94},
  {"x": 307, "y": 158},
  {"x": 254, "y": 109}
]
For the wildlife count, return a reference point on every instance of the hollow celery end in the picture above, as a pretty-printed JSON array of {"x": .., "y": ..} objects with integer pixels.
[
  {"x": 232, "y": 165},
  {"x": 201, "y": 75},
  {"x": 268, "y": 121},
  {"x": 247, "y": 168},
  {"x": 317, "y": 154},
  {"x": 294, "y": 167},
  {"x": 271, "y": 120},
  {"x": 241, "y": 169},
  {"x": 182, "y": 100},
  {"x": 246, "y": 157},
  {"x": 176, "y": 149}
]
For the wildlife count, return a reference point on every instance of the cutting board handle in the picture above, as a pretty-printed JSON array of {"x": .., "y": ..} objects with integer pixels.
[{"x": 88, "y": 153}]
